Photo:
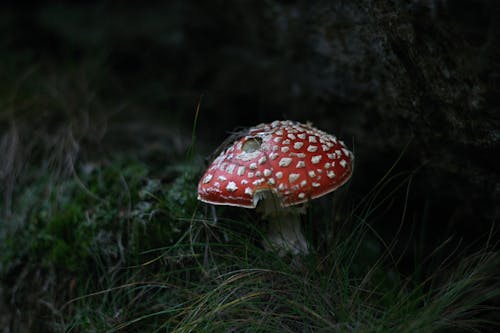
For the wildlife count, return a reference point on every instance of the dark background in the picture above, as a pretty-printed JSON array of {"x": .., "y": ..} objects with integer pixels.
[{"x": 413, "y": 78}]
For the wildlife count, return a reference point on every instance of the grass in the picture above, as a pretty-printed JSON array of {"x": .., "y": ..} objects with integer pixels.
[{"x": 119, "y": 250}]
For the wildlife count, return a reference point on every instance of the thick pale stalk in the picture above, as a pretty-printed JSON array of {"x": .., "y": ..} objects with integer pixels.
[{"x": 284, "y": 230}]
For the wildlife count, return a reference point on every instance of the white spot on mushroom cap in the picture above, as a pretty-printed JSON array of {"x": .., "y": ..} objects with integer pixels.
[
  {"x": 240, "y": 171},
  {"x": 343, "y": 163},
  {"x": 231, "y": 187},
  {"x": 302, "y": 135},
  {"x": 258, "y": 182},
  {"x": 297, "y": 145},
  {"x": 285, "y": 161},
  {"x": 316, "y": 184},
  {"x": 262, "y": 160},
  {"x": 316, "y": 159},
  {"x": 248, "y": 191},
  {"x": 312, "y": 174},
  {"x": 207, "y": 178},
  {"x": 286, "y": 142},
  {"x": 301, "y": 195},
  {"x": 312, "y": 149},
  {"x": 293, "y": 177},
  {"x": 250, "y": 174},
  {"x": 279, "y": 175},
  {"x": 312, "y": 139},
  {"x": 253, "y": 166},
  {"x": 330, "y": 174},
  {"x": 248, "y": 156},
  {"x": 277, "y": 139},
  {"x": 222, "y": 178},
  {"x": 285, "y": 149},
  {"x": 230, "y": 168},
  {"x": 303, "y": 183},
  {"x": 271, "y": 181},
  {"x": 267, "y": 172},
  {"x": 244, "y": 182},
  {"x": 291, "y": 136},
  {"x": 300, "y": 164}
]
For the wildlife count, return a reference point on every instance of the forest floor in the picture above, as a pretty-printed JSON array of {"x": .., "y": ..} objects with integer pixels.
[{"x": 121, "y": 243}]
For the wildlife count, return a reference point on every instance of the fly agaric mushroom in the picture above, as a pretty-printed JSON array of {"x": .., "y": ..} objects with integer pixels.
[{"x": 277, "y": 166}]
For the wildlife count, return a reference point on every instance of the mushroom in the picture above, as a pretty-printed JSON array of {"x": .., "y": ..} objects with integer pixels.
[{"x": 274, "y": 167}]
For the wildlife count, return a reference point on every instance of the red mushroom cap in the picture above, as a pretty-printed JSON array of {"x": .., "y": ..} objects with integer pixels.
[{"x": 296, "y": 161}]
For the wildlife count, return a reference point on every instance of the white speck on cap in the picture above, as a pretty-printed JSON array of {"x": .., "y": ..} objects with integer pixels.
[
  {"x": 330, "y": 174},
  {"x": 230, "y": 168},
  {"x": 312, "y": 149},
  {"x": 285, "y": 149},
  {"x": 285, "y": 161},
  {"x": 312, "y": 139},
  {"x": 312, "y": 174},
  {"x": 293, "y": 177},
  {"x": 240, "y": 171},
  {"x": 302, "y": 195},
  {"x": 300, "y": 164},
  {"x": 231, "y": 187},
  {"x": 222, "y": 178},
  {"x": 253, "y": 166},
  {"x": 208, "y": 178},
  {"x": 267, "y": 172},
  {"x": 279, "y": 174},
  {"x": 298, "y": 145},
  {"x": 258, "y": 182},
  {"x": 248, "y": 191},
  {"x": 343, "y": 163},
  {"x": 316, "y": 159}
]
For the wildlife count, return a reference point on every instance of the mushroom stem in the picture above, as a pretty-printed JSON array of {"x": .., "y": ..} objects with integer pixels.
[{"x": 284, "y": 229}]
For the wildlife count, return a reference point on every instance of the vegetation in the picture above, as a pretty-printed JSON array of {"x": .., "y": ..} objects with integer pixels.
[
  {"x": 115, "y": 248},
  {"x": 100, "y": 156}
]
